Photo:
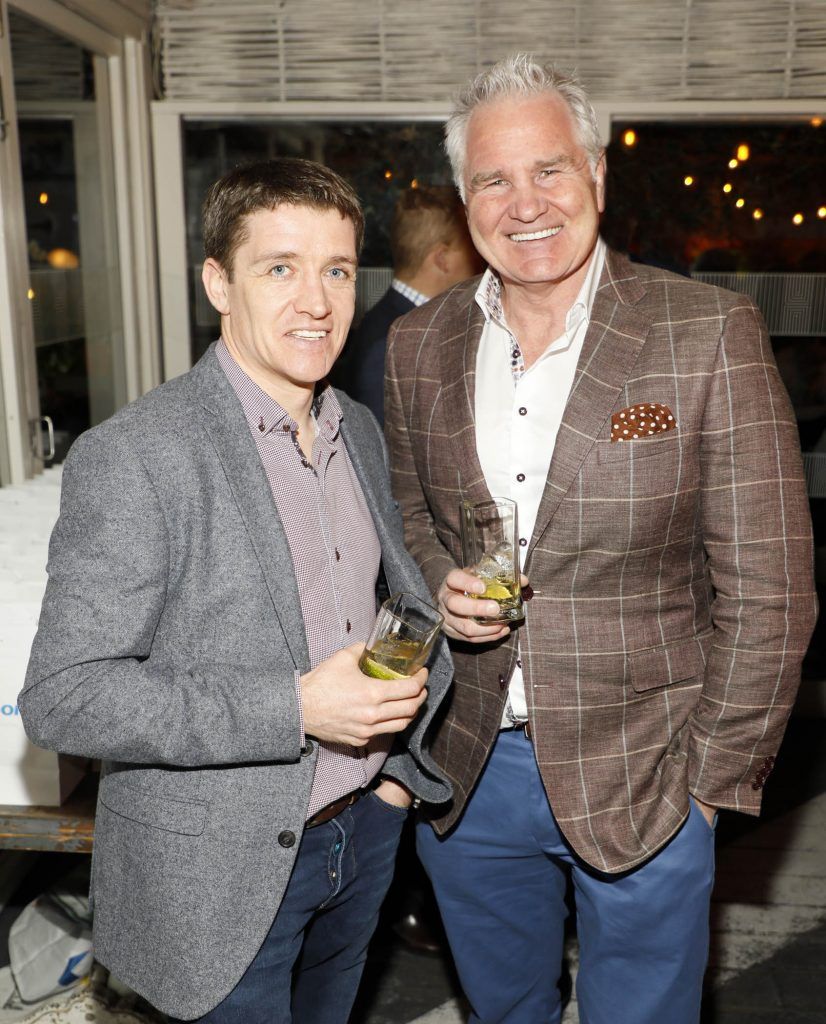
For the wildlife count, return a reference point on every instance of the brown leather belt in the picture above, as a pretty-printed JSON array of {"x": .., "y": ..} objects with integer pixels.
[{"x": 331, "y": 810}]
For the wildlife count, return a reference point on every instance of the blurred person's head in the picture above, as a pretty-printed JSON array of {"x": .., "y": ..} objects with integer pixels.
[
  {"x": 429, "y": 240},
  {"x": 287, "y": 181}
]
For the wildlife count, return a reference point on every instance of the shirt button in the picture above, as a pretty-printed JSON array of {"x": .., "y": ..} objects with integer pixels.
[
  {"x": 338, "y": 555},
  {"x": 523, "y": 411},
  {"x": 285, "y": 427},
  {"x": 522, "y": 542},
  {"x": 286, "y": 839},
  {"x": 349, "y": 627},
  {"x": 520, "y": 477}
]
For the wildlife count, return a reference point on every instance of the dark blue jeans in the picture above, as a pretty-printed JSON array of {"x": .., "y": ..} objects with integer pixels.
[{"x": 308, "y": 969}]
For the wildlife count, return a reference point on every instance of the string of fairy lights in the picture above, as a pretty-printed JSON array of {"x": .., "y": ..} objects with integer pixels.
[{"x": 740, "y": 157}]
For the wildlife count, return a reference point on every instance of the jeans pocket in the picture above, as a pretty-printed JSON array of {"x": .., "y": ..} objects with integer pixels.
[{"x": 400, "y": 812}]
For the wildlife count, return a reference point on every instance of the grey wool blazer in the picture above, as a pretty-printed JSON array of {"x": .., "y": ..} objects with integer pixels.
[{"x": 169, "y": 636}]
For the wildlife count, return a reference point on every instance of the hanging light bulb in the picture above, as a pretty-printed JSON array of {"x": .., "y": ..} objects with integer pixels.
[
  {"x": 740, "y": 204},
  {"x": 688, "y": 181},
  {"x": 821, "y": 212},
  {"x": 757, "y": 214},
  {"x": 629, "y": 137},
  {"x": 797, "y": 219},
  {"x": 727, "y": 187},
  {"x": 743, "y": 152},
  {"x": 733, "y": 163}
]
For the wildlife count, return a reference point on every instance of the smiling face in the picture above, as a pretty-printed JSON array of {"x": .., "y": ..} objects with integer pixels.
[
  {"x": 533, "y": 204},
  {"x": 287, "y": 309}
]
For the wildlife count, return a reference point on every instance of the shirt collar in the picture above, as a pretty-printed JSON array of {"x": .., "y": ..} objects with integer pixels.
[
  {"x": 264, "y": 414},
  {"x": 489, "y": 293},
  {"x": 409, "y": 293}
]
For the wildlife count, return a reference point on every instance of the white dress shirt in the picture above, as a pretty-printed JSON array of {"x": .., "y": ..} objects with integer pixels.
[{"x": 518, "y": 412}]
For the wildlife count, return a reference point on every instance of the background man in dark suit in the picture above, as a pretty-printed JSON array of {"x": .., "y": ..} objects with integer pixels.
[
  {"x": 212, "y": 577},
  {"x": 431, "y": 250},
  {"x": 638, "y": 420}
]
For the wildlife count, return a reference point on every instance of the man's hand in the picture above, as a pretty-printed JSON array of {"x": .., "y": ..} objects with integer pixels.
[
  {"x": 342, "y": 705},
  {"x": 457, "y": 608},
  {"x": 707, "y": 810},
  {"x": 393, "y": 793}
]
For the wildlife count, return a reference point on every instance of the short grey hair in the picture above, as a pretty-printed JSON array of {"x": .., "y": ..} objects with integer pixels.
[{"x": 520, "y": 75}]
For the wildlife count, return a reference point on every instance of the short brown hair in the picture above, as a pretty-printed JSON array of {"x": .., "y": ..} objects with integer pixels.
[
  {"x": 423, "y": 217},
  {"x": 264, "y": 186}
]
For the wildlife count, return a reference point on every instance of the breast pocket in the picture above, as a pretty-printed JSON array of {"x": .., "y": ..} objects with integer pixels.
[{"x": 630, "y": 452}]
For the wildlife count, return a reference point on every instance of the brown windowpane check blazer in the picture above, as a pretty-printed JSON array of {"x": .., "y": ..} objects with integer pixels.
[{"x": 673, "y": 572}]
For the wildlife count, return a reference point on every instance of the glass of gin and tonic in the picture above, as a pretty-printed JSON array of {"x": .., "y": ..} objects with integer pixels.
[
  {"x": 402, "y": 638},
  {"x": 490, "y": 537}
]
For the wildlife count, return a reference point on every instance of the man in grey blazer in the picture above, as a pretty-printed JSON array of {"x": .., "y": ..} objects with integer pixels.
[{"x": 212, "y": 578}]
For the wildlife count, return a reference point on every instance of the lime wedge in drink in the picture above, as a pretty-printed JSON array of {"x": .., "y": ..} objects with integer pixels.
[
  {"x": 496, "y": 592},
  {"x": 370, "y": 667}
]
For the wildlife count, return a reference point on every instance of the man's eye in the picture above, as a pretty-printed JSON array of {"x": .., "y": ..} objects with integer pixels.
[
  {"x": 339, "y": 274},
  {"x": 547, "y": 172},
  {"x": 279, "y": 270}
]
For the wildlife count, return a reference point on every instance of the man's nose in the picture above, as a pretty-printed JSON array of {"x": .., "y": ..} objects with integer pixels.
[
  {"x": 527, "y": 203},
  {"x": 312, "y": 299}
]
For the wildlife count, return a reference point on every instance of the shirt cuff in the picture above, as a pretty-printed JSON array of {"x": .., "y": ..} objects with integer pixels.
[{"x": 303, "y": 738}]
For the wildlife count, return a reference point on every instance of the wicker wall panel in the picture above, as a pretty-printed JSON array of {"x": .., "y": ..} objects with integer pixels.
[{"x": 422, "y": 50}]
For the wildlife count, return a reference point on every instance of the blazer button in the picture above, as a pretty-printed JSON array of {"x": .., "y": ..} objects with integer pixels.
[
  {"x": 309, "y": 747},
  {"x": 501, "y": 682},
  {"x": 286, "y": 839}
]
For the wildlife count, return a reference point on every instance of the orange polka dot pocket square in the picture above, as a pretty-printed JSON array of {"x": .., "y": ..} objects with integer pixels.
[{"x": 638, "y": 422}]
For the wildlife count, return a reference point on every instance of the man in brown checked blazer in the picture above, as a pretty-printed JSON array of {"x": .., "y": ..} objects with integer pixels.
[{"x": 638, "y": 420}]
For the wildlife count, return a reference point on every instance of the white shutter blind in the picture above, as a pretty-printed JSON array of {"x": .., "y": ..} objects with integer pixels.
[{"x": 423, "y": 49}]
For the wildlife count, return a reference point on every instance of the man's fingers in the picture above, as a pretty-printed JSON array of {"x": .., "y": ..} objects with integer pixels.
[
  {"x": 460, "y": 580},
  {"x": 464, "y": 607}
]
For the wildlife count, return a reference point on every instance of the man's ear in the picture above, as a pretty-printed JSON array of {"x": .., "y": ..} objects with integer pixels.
[
  {"x": 440, "y": 257},
  {"x": 214, "y": 278},
  {"x": 599, "y": 181}
]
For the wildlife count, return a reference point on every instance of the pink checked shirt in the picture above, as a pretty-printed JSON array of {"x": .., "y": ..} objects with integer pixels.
[{"x": 334, "y": 547}]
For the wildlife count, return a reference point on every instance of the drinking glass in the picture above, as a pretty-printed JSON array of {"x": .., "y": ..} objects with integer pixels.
[
  {"x": 402, "y": 638},
  {"x": 490, "y": 537}
]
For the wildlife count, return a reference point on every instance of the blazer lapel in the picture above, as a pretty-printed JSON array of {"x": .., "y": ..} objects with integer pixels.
[
  {"x": 459, "y": 344},
  {"x": 615, "y": 336},
  {"x": 230, "y": 435}
]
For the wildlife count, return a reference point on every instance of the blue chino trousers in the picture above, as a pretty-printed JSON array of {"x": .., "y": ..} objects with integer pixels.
[
  {"x": 308, "y": 968},
  {"x": 500, "y": 878}
]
